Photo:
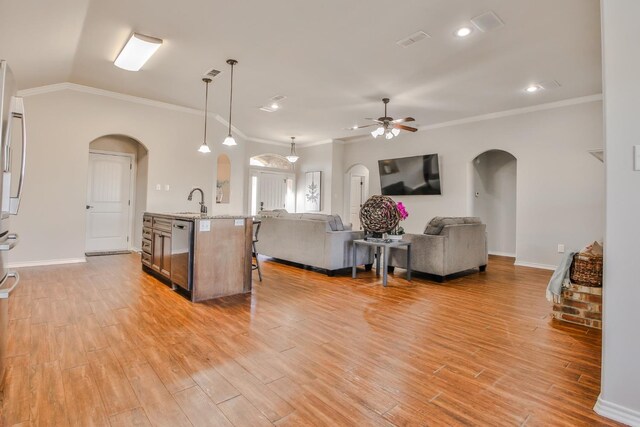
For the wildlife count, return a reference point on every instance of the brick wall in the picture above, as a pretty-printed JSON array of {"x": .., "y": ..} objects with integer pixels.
[{"x": 581, "y": 305}]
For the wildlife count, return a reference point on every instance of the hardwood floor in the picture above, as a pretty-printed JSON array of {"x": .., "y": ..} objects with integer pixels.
[{"x": 102, "y": 343}]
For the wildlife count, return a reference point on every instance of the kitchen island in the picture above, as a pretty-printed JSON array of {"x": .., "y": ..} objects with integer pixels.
[{"x": 202, "y": 256}]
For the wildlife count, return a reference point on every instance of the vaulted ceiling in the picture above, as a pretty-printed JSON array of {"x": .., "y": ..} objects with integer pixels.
[{"x": 333, "y": 59}]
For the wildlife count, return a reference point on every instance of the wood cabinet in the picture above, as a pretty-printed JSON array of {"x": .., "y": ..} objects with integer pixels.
[{"x": 156, "y": 245}]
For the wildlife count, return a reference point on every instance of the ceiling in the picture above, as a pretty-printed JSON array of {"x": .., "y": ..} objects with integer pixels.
[{"x": 333, "y": 59}]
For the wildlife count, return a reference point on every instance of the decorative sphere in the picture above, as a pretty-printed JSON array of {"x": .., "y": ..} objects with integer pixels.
[{"x": 379, "y": 214}]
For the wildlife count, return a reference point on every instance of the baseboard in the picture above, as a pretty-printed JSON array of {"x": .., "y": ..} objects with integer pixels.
[
  {"x": 535, "y": 265},
  {"x": 505, "y": 254},
  {"x": 46, "y": 262},
  {"x": 617, "y": 412}
]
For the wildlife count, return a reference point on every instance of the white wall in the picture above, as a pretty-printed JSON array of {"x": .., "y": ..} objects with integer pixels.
[
  {"x": 61, "y": 125},
  {"x": 560, "y": 185},
  {"x": 494, "y": 179},
  {"x": 620, "y": 394}
]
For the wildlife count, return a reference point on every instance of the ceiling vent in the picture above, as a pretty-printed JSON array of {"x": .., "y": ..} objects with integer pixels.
[
  {"x": 552, "y": 84},
  {"x": 211, "y": 73},
  {"x": 413, "y": 38},
  {"x": 278, "y": 98},
  {"x": 488, "y": 21}
]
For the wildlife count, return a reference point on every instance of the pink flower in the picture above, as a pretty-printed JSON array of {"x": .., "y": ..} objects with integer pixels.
[{"x": 402, "y": 211}]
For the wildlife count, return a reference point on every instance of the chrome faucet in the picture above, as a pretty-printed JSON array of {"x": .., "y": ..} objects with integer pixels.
[{"x": 203, "y": 207}]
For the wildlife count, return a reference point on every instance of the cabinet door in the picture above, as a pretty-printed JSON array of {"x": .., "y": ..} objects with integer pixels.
[
  {"x": 156, "y": 251},
  {"x": 166, "y": 255}
]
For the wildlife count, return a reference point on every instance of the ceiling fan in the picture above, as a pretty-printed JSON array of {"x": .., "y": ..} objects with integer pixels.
[{"x": 387, "y": 126}]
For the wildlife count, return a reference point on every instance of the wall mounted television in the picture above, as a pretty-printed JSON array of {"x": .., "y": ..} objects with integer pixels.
[{"x": 410, "y": 176}]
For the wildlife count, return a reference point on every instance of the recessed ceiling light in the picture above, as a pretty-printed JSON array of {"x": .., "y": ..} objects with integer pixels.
[
  {"x": 463, "y": 32},
  {"x": 533, "y": 88},
  {"x": 137, "y": 51},
  {"x": 275, "y": 106}
]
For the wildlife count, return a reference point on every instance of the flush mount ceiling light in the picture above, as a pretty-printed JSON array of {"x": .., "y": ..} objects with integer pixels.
[
  {"x": 204, "y": 148},
  {"x": 293, "y": 157},
  {"x": 533, "y": 88},
  {"x": 229, "y": 141},
  {"x": 137, "y": 51},
  {"x": 463, "y": 32}
]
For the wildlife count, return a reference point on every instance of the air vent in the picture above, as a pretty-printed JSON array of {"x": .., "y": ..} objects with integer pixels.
[
  {"x": 413, "y": 38},
  {"x": 212, "y": 73},
  {"x": 552, "y": 84},
  {"x": 278, "y": 98},
  {"x": 488, "y": 21}
]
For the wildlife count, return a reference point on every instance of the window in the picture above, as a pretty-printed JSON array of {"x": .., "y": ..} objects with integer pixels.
[{"x": 272, "y": 161}]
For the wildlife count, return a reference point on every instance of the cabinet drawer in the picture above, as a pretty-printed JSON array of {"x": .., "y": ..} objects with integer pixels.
[
  {"x": 162, "y": 224},
  {"x": 146, "y": 259},
  {"x": 146, "y": 246},
  {"x": 146, "y": 233},
  {"x": 147, "y": 221}
]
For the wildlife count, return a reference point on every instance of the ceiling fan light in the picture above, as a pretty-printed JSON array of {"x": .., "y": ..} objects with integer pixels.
[
  {"x": 389, "y": 135},
  {"x": 204, "y": 148},
  {"x": 395, "y": 131},
  {"x": 229, "y": 141},
  {"x": 374, "y": 133}
]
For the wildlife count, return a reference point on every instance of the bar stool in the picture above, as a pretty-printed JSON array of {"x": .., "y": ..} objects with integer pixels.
[{"x": 256, "y": 266}]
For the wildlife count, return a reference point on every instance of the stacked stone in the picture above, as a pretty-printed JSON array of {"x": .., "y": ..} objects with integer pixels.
[{"x": 581, "y": 305}]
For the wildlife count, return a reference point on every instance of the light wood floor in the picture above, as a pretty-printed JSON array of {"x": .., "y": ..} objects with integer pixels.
[{"x": 102, "y": 343}]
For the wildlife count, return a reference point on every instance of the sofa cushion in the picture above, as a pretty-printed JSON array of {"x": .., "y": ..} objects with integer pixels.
[
  {"x": 334, "y": 221},
  {"x": 435, "y": 226}
]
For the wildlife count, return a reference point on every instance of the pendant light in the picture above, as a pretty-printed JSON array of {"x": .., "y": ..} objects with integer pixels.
[
  {"x": 293, "y": 157},
  {"x": 204, "y": 148},
  {"x": 229, "y": 141}
]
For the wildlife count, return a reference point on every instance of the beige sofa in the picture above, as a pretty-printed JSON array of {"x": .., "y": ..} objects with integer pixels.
[
  {"x": 448, "y": 246},
  {"x": 314, "y": 240}
]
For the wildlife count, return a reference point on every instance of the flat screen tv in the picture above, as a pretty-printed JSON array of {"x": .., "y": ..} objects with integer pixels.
[{"x": 410, "y": 176}]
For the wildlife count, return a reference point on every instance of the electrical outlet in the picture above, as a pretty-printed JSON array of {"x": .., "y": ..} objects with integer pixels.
[
  {"x": 560, "y": 248},
  {"x": 166, "y": 187},
  {"x": 158, "y": 187}
]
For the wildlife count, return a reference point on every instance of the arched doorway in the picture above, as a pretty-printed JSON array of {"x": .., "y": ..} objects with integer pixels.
[
  {"x": 494, "y": 199},
  {"x": 271, "y": 183},
  {"x": 356, "y": 192},
  {"x": 116, "y": 194}
]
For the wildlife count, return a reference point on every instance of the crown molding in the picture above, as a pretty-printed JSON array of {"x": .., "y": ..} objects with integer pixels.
[
  {"x": 497, "y": 115},
  {"x": 58, "y": 87}
]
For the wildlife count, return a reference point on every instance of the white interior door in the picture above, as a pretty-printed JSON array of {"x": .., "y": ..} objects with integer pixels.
[
  {"x": 356, "y": 200},
  {"x": 272, "y": 191},
  {"x": 108, "y": 202}
]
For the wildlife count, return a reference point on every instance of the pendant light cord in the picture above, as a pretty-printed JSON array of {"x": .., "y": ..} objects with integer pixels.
[
  {"x": 206, "y": 104},
  {"x": 231, "y": 99}
]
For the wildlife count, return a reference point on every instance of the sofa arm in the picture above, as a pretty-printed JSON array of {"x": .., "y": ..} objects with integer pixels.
[
  {"x": 427, "y": 254},
  {"x": 338, "y": 250},
  {"x": 465, "y": 247}
]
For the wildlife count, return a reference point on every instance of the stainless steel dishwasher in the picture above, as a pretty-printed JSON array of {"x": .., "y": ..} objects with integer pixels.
[{"x": 182, "y": 253}]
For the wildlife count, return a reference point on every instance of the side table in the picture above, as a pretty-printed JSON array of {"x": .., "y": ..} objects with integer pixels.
[{"x": 384, "y": 246}]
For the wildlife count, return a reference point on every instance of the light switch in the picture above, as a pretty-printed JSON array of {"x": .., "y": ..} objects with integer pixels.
[{"x": 636, "y": 157}]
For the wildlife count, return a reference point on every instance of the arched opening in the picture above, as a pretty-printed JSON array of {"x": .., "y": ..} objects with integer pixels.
[
  {"x": 271, "y": 183},
  {"x": 116, "y": 194},
  {"x": 356, "y": 192},
  {"x": 223, "y": 179},
  {"x": 494, "y": 199}
]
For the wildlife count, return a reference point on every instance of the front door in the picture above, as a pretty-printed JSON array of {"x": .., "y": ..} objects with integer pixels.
[
  {"x": 272, "y": 191},
  {"x": 108, "y": 202},
  {"x": 356, "y": 200}
]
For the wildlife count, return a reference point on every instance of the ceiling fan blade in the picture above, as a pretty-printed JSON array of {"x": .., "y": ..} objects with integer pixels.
[
  {"x": 407, "y": 128},
  {"x": 406, "y": 119},
  {"x": 373, "y": 120},
  {"x": 364, "y": 126}
]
